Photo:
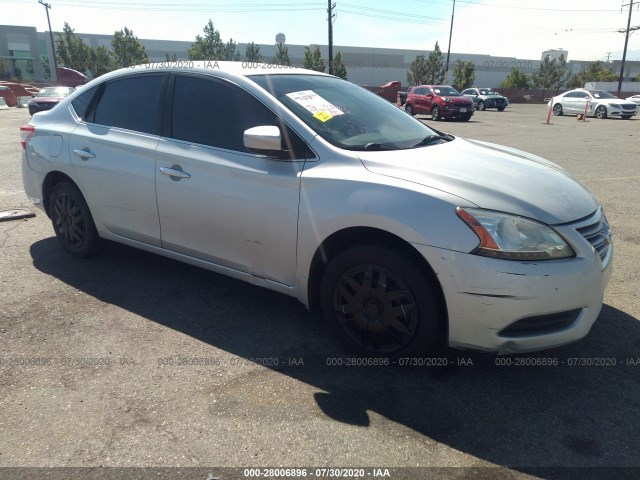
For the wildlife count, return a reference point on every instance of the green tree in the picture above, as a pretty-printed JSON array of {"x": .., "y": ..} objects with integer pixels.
[
  {"x": 551, "y": 73},
  {"x": 170, "y": 57},
  {"x": 102, "y": 61},
  {"x": 230, "y": 51},
  {"x": 516, "y": 79},
  {"x": 417, "y": 73},
  {"x": 282, "y": 55},
  {"x": 252, "y": 53},
  {"x": 127, "y": 49},
  {"x": 596, "y": 72},
  {"x": 209, "y": 47},
  {"x": 464, "y": 74},
  {"x": 339, "y": 69},
  {"x": 435, "y": 66},
  {"x": 313, "y": 59},
  {"x": 71, "y": 51}
]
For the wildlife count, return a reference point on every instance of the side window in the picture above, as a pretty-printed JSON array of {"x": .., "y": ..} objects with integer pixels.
[
  {"x": 131, "y": 103},
  {"x": 216, "y": 113},
  {"x": 81, "y": 103}
]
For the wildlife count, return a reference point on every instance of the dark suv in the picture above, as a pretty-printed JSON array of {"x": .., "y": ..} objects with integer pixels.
[
  {"x": 439, "y": 101},
  {"x": 484, "y": 98}
]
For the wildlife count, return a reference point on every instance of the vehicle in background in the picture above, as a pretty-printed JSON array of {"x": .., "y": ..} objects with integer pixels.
[
  {"x": 8, "y": 95},
  {"x": 70, "y": 77},
  {"x": 596, "y": 103},
  {"x": 439, "y": 101},
  {"x": 634, "y": 98},
  {"x": 484, "y": 98},
  {"x": 47, "y": 98}
]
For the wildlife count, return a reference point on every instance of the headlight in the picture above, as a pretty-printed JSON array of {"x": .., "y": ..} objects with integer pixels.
[{"x": 511, "y": 237}]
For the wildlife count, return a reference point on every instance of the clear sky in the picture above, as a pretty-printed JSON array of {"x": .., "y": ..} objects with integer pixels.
[{"x": 514, "y": 28}]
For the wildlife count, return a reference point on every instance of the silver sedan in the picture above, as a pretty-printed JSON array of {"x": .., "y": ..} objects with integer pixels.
[{"x": 306, "y": 184}]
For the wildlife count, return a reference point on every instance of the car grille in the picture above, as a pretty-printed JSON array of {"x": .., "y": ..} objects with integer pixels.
[
  {"x": 598, "y": 235},
  {"x": 628, "y": 106}
]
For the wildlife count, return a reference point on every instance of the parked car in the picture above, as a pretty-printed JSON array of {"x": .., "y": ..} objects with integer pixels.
[
  {"x": 47, "y": 98},
  {"x": 634, "y": 98},
  {"x": 9, "y": 97},
  {"x": 306, "y": 184},
  {"x": 439, "y": 101},
  {"x": 598, "y": 103},
  {"x": 484, "y": 98}
]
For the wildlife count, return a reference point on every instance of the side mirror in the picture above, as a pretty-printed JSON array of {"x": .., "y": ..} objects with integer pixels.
[
  {"x": 263, "y": 138},
  {"x": 430, "y": 95}
]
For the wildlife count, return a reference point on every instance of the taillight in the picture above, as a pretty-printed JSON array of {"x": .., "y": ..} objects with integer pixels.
[{"x": 25, "y": 133}]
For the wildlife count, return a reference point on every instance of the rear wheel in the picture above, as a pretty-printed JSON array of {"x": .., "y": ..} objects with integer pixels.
[
  {"x": 409, "y": 109},
  {"x": 380, "y": 303},
  {"x": 72, "y": 220},
  {"x": 435, "y": 113},
  {"x": 601, "y": 112}
]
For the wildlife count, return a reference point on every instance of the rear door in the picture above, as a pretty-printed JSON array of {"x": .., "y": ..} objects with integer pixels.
[
  {"x": 113, "y": 153},
  {"x": 217, "y": 201}
]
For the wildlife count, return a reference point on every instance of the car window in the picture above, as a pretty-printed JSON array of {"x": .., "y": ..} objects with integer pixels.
[
  {"x": 81, "y": 103},
  {"x": 485, "y": 92},
  {"x": 132, "y": 103},
  {"x": 345, "y": 114},
  {"x": 214, "y": 112},
  {"x": 446, "y": 91}
]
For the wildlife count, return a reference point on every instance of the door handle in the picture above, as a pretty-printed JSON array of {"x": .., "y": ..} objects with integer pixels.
[
  {"x": 175, "y": 172},
  {"x": 84, "y": 154}
]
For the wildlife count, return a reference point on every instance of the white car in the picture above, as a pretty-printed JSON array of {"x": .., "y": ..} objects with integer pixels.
[
  {"x": 634, "y": 98},
  {"x": 596, "y": 103},
  {"x": 306, "y": 184}
]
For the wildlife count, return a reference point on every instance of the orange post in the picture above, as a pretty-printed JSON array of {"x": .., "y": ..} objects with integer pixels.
[
  {"x": 584, "y": 117},
  {"x": 549, "y": 111}
]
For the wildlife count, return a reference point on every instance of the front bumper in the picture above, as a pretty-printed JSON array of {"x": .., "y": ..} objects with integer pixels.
[
  {"x": 454, "y": 111},
  {"x": 489, "y": 301}
]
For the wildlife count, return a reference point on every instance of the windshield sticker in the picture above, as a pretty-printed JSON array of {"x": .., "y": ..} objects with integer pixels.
[{"x": 316, "y": 105}]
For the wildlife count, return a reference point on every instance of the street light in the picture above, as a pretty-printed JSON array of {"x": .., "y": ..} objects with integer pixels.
[{"x": 54, "y": 75}]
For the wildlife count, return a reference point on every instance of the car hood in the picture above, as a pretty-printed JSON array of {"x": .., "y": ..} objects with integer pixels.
[
  {"x": 456, "y": 99},
  {"x": 490, "y": 176}
]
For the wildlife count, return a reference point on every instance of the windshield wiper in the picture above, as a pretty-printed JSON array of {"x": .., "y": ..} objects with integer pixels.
[
  {"x": 379, "y": 146},
  {"x": 429, "y": 139}
]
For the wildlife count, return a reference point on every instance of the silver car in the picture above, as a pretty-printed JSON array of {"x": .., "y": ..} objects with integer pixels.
[
  {"x": 311, "y": 186},
  {"x": 593, "y": 103}
]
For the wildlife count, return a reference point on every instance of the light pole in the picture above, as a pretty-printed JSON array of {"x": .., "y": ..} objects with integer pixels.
[
  {"x": 624, "y": 52},
  {"x": 446, "y": 67},
  {"x": 54, "y": 74}
]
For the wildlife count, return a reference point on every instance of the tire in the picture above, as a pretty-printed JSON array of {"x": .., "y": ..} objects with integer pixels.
[
  {"x": 501, "y": 109},
  {"x": 466, "y": 118},
  {"x": 601, "y": 112},
  {"x": 627, "y": 117},
  {"x": 409, "y": 109},
  {"x": 380, "y": 303},
  {"x": 435, "y": 113},
  {"x": 557, "y": 110},
  {"x": 481, "y": 105},
  {"x": 72, "y": 220}
]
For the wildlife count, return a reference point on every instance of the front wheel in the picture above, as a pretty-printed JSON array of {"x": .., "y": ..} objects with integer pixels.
[
  {"x": 501, "y": 109},
  {"x": 72, "y": 220},
  {"x": 409, "y": 109},
  {"x": 481, "y": 105},
  {"x": 435, "y": 113},
  {"x": 380, "y": 302},
  {"x": 601, "y": 112},
  {"x": 627, "y": 117}
]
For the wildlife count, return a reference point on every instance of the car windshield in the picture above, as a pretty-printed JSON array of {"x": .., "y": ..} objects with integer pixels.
[
  {"x": 53, "y": 92},
  {"x": 446, "y": 91},
  {"x": 601, "y": 94},
  {"x": 485, "y": 92},
  {"x": 493, "y": 93},
  {"x": 345, "y": 114}
]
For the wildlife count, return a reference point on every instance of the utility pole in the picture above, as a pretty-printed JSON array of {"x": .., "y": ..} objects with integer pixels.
[
  {"x": 330, "y": 18},
  {"x": 626, "y": 42},
  {"x": 446, "y": 67},
  {"x": 54, "y": 74}
]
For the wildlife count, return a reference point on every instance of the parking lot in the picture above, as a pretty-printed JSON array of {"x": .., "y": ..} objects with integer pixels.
[{"x": 132, "y": 360}]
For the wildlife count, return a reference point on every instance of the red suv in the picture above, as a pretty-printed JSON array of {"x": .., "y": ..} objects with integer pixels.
[{"x": 439, "y": 101}]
